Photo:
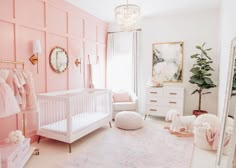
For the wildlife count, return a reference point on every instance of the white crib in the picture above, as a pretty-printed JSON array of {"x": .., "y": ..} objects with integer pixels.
[{"x": 69, "y": 115}]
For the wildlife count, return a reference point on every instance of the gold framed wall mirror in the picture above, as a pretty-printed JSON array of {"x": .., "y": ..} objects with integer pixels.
[
  {"x": 58, "y": 59},
  {"x": 227, "y": 139}
]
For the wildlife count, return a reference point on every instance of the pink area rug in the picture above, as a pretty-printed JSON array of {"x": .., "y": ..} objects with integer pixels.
[{"x": 149, "y": 147}]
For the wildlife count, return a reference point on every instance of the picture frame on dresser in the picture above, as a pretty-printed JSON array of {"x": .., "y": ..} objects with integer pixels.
[{"x": 167, "y": 62}]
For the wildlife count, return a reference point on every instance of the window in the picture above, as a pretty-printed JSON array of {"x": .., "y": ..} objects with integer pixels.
[{"x": 120, "y": 61}]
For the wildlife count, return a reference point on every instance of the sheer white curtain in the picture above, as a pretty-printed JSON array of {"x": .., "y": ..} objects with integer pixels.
[
  {"x": 135, "y": 62},
  {"x": 98, "y": 72},
  {"x": 122, "y": 61}
]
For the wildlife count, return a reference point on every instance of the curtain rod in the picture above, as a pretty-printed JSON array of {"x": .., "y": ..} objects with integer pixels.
[{"x": 125, "y": 31}]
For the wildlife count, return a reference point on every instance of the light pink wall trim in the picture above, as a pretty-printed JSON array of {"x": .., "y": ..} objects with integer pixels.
[{"x": 55, "y": 23}]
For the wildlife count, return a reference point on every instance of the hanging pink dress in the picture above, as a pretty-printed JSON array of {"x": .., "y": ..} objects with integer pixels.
[{"x": 8, "y": 104}]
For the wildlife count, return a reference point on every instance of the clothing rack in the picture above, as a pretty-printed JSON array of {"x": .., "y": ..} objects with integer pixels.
[
  {"x": 13, "y": 62},
  {"x": 23, "y": 66}
]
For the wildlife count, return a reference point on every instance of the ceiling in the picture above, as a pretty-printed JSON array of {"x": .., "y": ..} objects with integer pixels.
[{"x": 104, "y": 9}]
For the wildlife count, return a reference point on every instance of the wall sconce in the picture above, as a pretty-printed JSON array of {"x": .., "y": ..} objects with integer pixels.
[
  {"x": 79, "y": 59},
  {"x": 37, "y": 49}
]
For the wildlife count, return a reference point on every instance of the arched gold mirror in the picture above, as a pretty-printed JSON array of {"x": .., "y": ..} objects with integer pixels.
[{"x": 58, "y": 59}]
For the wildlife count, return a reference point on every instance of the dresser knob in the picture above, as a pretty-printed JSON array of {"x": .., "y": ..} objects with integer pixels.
[
  {"x": 173, "y": 93},
  {"x": 153, "y": 92},
  {"x": 153, "y": 101},
  {"x": 172, "y": 102},
  {"x": 153, "y": 110}
]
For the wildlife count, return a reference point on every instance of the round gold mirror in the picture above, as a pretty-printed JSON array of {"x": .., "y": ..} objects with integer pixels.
[{"x": 58, "y": 59}]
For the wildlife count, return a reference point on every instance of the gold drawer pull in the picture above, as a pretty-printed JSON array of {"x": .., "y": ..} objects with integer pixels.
[
  {"x": 173, "y": 93},
  {"x": 153, "y": 101},
  {"x": 153, "y": 110},
  {"x": 153, "y": 92},
  {"x": 172, "y": 102}
]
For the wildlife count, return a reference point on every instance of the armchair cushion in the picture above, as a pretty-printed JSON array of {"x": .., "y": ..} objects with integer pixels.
[
  {"x": 128, "y": 106},
  {"x": 121, "y": 97}
]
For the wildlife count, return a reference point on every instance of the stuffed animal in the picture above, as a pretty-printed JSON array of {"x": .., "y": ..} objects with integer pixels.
[
  {"x": 180, "y": 123},
  {"x": 15, "y": 137}
]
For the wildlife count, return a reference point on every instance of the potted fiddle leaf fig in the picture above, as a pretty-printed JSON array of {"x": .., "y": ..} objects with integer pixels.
[{"x": 201, "y": 75}]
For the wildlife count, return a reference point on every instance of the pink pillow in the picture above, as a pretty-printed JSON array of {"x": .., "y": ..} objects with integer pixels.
[{"x": 121, "y": 97}]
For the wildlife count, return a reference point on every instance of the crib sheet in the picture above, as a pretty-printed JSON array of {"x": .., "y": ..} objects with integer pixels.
[{"x": 79, "y": 122}]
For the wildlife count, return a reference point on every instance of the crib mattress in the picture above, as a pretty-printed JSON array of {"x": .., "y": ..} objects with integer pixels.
[{"x": 79, "y": 121}]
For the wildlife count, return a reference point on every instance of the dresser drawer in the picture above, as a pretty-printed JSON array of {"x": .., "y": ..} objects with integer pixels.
[
  {"x": 161, "y": 111},
  {"x": 156, "y": 110},
  {"x": 154, "y": 92},
  {"x": 174, "y": 102},
  {"x": 11, "y": 157},
  {"x": 13, "y": 161},
  {"x": 173, "y": 92},
  {"x": 13, "y": 154},
  {"x": 24, "y": 149},
  {"x": 164, "y": 101},
  {"x": 157, "y": 101}
]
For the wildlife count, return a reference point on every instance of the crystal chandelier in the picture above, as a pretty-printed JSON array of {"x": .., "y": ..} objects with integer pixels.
[{"x": 127, "y": 15}]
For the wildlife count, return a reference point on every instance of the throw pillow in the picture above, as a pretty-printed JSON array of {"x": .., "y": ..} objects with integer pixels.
[{"x": 121, "y": 97}]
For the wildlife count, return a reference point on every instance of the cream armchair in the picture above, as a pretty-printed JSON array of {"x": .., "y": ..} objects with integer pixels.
[{"x": 124, "y": 101}]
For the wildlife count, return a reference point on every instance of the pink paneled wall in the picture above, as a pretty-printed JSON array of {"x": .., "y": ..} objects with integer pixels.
[{"x": 54, "y": 23}]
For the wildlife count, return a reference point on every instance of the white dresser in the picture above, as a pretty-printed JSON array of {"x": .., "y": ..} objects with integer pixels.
[{"x": 161, "y": 99}]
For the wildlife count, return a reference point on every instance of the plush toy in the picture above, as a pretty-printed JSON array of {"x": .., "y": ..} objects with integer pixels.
[
  {"x": 15, "y": 137},
  {"x": 180, "y": 123}
]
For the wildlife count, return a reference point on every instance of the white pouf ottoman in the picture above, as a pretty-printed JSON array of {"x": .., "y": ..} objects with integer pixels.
[{"x": 129, "y": 120}]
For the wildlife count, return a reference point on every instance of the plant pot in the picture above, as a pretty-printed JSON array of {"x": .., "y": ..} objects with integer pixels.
[{"x": 199, "y": 112}]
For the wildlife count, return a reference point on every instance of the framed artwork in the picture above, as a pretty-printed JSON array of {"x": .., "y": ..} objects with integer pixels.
[{"x": 167, "y": 62}]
